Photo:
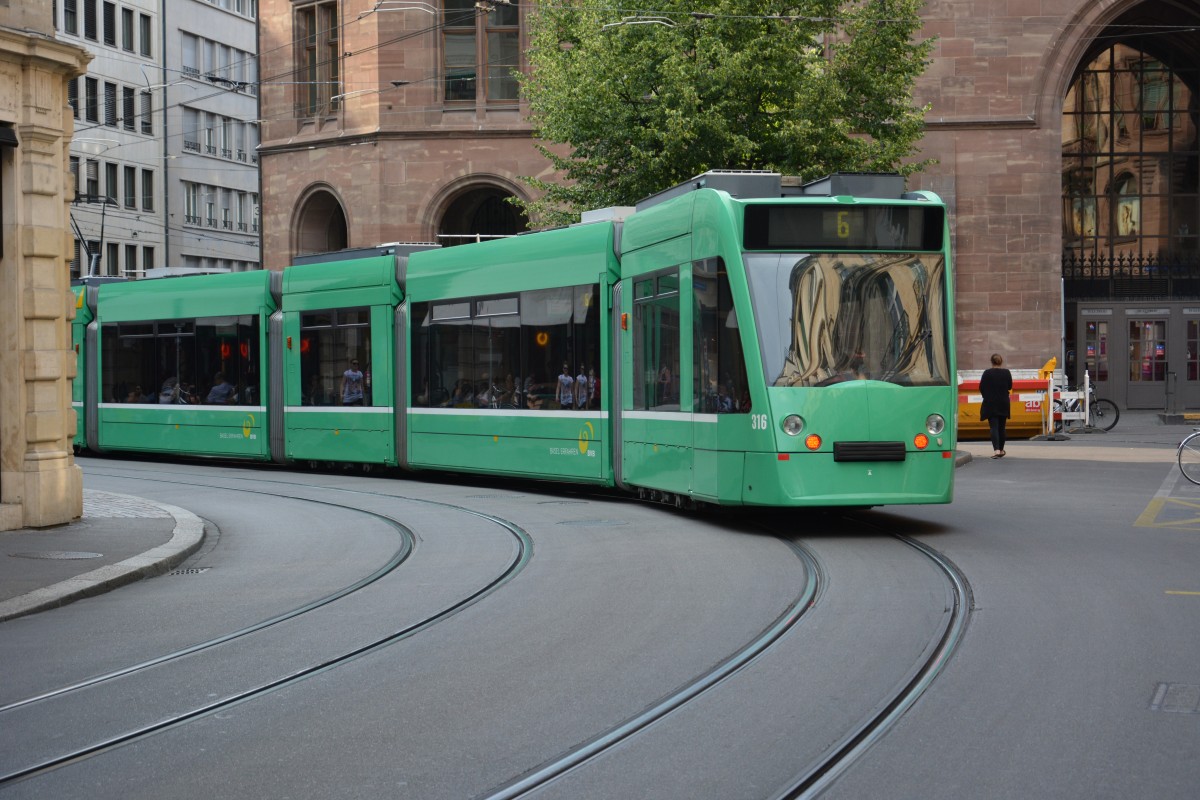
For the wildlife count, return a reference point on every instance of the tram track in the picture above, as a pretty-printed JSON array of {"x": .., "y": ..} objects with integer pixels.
[
  {"x": 816, "y": 777},
  {"x": 522, "y": 554}
]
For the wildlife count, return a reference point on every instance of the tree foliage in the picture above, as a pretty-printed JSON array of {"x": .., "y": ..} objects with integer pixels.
[{"x": 629, "y": 103}]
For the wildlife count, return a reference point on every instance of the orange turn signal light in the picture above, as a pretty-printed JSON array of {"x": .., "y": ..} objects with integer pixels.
[
  {"x": 812, "y": 442},
  {"x": 921, "y": 441}
]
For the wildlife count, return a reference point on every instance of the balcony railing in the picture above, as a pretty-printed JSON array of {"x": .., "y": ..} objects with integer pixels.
[
  {"x": 188, "y": 219},
  {"x": 1132, "y": 277},
  {"x": 193, "y": 146}
]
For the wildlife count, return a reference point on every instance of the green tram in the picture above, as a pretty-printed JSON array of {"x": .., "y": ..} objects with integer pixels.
[{"x": 740, "y": 339}]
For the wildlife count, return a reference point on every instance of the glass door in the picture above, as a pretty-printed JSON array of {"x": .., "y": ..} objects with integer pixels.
[{"x": 1147, "y": 362}]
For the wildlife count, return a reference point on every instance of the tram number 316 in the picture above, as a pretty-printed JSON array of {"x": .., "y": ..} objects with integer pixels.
[{"x": 758, "y": 422}]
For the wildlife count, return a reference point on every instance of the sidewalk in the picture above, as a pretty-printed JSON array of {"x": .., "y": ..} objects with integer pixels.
[
  {"x": 121, "y": 539},
  {"x": 118, "y": 540},
  {"x": 1139, "y": 437}
]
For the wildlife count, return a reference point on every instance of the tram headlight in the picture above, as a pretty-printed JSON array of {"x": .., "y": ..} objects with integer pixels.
[
  {"x": 935, "y": 424},
  {"x": 793, "y": 425}
]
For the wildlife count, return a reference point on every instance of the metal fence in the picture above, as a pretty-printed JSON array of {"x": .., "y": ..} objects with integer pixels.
[{"x": 1131, "y": 277}]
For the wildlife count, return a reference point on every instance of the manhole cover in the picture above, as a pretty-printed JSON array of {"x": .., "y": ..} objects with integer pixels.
[{"x": 60, "y": 555}]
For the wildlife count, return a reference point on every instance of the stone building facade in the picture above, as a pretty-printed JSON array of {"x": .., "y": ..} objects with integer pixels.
[
  {"x": 386, "y": 120},
  {"x": 40, "y": 484}
]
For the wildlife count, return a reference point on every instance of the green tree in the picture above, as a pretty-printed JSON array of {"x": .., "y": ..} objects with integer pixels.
[{"x": 627, "y": 104}]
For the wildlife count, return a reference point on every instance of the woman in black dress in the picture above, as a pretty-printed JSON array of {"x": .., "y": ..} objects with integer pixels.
[{"x": 995, "y": 385}]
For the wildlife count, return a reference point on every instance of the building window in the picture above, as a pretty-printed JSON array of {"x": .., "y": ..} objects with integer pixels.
[
  {"x": 110, "y": 104},
  {"x": 73, "y": 97},
  {"x": 1129, "y": 167},
  {"x": 481, "y": 52},
  {"x": 75, "y": 175},
  {"x": 191, "y": 203},
  {"x": 92, "y": 179},
  {"x": 147, "y": 257},
  {"x": 128, "y": 109},
  {"x": 147, "y": 48},
  {"x": 318, "y": 59},
  {"x": 71, "y": 16},
  {"x": 110, "y": 181},
  {"x": 190, "y": 65},
  {"x": 91, "y": 99},
  {"x": 110, "y": 24},
  {"x": 147, "y": 190},
  {"x": 130, "y": 259},
  {"x": 147, "y": 119},
  {"x": 89, "y": 19},
  {"x": 127, "y": 29},
  {"x": 131, "y": 187}
]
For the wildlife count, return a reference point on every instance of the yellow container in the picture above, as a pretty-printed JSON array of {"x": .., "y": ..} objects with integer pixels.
[{"x": 1025, "y": 410}]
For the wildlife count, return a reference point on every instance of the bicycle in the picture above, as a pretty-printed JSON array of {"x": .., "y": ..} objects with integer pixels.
[
  {"x": 1103, "y": 413},
  {"x": 1188, "y": 456}
]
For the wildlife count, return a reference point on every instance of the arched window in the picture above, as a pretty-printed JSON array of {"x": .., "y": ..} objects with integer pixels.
[{"x": 1129, "y": 158}]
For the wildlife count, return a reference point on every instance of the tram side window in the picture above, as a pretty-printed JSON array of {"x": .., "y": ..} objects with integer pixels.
[
  {"x": 509, "y": 352},
  {"x": 656, "y": 342},
  {"x": 719, "y": 381},
  {"x": 227, "y": 361},
  {"x": 128, "y": 363},
  {"x": 335, "y": 357},
  {"x": 182, "y": 362}
]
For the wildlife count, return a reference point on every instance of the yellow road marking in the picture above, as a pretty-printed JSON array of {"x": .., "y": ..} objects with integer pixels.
[
  {"x": 1148, "y": 518},
  {"x": 1190, "y": 594}
]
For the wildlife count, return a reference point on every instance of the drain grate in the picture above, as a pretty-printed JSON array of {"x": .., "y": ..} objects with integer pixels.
[
  {"x": 1176, "y": 698},
  {"x": 189, "y": 571},
  {"x": 58, "y": 555}
]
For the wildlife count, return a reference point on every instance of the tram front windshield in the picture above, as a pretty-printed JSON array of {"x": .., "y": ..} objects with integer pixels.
[{"x": 832, "y": 317}]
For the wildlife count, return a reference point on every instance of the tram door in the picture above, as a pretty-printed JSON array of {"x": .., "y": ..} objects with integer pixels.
[{"x": 1147, "y": 344}]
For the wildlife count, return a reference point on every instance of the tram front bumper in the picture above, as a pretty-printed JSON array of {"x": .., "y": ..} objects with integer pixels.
[{"x": 815, "y": 479}]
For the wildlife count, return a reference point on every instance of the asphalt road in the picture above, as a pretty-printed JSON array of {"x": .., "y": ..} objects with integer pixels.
[{"x": 485, "y": 631}]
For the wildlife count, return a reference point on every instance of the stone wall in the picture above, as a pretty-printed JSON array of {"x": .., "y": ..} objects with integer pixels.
[{"x": 40, "y": 484}]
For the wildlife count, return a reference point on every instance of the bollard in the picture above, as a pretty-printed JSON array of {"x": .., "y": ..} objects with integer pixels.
[{"x": 1171, "y": 402}]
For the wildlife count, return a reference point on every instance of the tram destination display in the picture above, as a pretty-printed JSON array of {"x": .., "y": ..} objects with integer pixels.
[{"x": 843, "y": 227}]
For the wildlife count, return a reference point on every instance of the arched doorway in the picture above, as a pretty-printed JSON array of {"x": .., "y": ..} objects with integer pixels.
[
  {"x": 1131, "y": 211},
  {"x": 480, "y": 213},
  {"x": 320, "y": 224}
]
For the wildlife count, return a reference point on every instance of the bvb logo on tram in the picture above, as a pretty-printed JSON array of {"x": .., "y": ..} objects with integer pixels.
[
  {"x": 586, "y": 434},
  {"x": 248, "y": 426}
]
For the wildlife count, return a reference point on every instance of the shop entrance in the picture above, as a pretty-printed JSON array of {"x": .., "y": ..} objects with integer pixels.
[{"x": 1138, "y": 356}]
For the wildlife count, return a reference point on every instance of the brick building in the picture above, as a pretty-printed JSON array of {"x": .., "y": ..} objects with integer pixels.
[{"x": 1064, "y": 133}]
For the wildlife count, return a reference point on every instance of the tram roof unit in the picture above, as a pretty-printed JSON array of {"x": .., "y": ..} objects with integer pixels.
[
  {"x": 570, "y": 256},
  {"x": 339, "y": 282},
  {"x": 764, "y": 185},
  {"x": 397, "y": 249},
  {"x": 226, "y": 294}
]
